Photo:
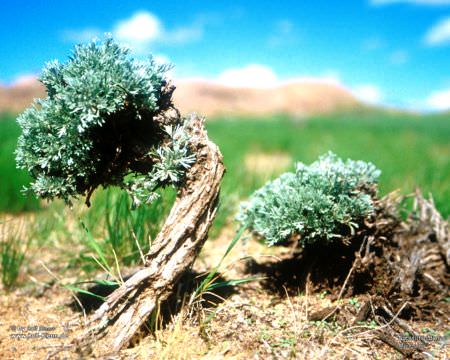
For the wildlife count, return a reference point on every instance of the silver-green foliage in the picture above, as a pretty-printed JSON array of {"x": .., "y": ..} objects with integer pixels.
[
  {"x": 170, "y": 165},
  {"x": 62, "y": 144},
  {"x": 321, "y": 201}
]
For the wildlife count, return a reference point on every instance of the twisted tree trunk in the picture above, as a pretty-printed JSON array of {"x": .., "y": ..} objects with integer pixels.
[{"x": 174, "y": 250}]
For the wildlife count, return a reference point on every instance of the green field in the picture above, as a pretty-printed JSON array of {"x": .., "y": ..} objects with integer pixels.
[
  {"x": 410, "y": 150},
  {"x": 12, "y": 180}
]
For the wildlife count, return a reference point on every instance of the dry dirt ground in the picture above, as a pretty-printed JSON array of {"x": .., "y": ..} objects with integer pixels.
[{"x": 248, "y": 321}]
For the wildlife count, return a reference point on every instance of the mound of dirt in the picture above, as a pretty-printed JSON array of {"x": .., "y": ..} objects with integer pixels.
[
  {"x": 399, "y": 267},
  {"x": 212, "y": 99}
]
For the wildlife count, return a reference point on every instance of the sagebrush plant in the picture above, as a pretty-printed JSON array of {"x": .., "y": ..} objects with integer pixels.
[
  {"x": 319, "y": 202},
  {"x": 108, "y": 119}
]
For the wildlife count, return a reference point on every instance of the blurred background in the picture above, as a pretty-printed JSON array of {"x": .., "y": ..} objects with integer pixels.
[{"x": 278, "y": 82}]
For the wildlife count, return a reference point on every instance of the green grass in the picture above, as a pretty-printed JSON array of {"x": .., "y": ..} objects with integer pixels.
[
  {"x": 128, "y": 232},
  {"x": 410, "y": 150},
  {"x": 14, "y": 243},
  {"x": 12, "y": 180}
]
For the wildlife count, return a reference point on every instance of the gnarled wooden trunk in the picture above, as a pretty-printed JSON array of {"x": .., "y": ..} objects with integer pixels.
[{"x": 174, "y": 250}]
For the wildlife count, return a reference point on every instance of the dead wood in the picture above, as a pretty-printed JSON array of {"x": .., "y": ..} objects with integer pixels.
[{"x": 122, "y": 315}]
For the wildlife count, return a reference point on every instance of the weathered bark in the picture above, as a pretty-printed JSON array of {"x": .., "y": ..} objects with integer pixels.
[{"x": 174, "y": 250}]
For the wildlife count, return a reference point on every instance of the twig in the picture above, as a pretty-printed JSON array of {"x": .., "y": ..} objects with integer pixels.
[{"x": 293, "y": 311}]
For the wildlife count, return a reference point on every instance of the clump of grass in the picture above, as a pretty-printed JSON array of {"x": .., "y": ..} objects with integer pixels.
[
  {"x": 130, "y": 232},
  {"x": 117, "y": 235},
  {"x": 209, "y": 283},
  {"x": 13, "y": 248},
  {"x": 212, "y": 282}
]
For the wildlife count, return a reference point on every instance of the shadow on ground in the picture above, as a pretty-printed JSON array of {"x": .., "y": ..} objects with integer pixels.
[
  {"x": 321, "y": 267},
  {"x": 186, "y": 287}
]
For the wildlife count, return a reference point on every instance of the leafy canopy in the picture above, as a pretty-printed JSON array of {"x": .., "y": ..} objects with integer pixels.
[
  {"x": 108, "y": 119},
  {"x": 318, "y": 202}
]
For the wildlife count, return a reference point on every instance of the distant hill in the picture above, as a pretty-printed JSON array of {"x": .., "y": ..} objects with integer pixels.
[
  {"x": 296, "y": 98},
  {"x": 211, "y": 99},
  {"x": 18, "y": 96}
]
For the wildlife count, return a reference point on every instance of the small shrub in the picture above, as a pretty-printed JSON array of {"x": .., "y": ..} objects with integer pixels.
[
  {"x": 319, "y": 202},
  {"x": 107, "y": 120}
]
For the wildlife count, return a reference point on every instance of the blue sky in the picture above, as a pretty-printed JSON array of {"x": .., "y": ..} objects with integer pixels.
[{"x": 394, "y": 52}]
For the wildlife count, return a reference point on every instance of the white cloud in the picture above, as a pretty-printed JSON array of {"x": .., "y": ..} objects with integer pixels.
[
  {"x": 262, "y": 76},
  {"x": 417, "y": 2},
  {"x": 328, "y": 77},
  {"x": 183, "y": 35},
  {"x": 143, "y": 30},
  {"x": 161, "y": 59},
  {"x": 399, "y": 57},
  {"x": 143, "y": 27},
  {"x": 439, "y": 100},
  {"x": 253, "y": 76},
  {"x": 24, "y": 79},
  {"x": 368, "y": 93},
  {"x": 439, "y": 34}
]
